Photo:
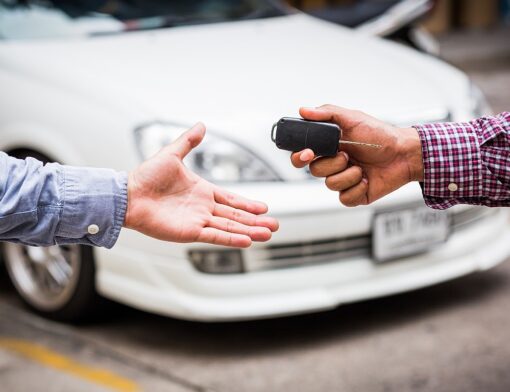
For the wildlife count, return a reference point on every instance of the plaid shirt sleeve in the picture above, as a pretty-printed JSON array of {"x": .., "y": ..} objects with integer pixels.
[{"x": 466, "y": 163}]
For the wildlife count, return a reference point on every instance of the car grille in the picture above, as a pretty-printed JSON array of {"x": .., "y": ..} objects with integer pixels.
[
  {"x": 334, "y": 249},
  {"x": 319, "y": 251}
]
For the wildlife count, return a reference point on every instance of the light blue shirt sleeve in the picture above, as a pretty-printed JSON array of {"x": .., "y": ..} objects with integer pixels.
[{"x": 53, "y": 204}]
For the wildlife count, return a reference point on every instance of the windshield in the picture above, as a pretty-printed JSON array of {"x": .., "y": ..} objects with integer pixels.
[{"x": 59, "y": 18}]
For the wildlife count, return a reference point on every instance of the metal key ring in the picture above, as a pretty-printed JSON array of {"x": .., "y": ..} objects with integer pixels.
[{"x": 272, "y": 132}]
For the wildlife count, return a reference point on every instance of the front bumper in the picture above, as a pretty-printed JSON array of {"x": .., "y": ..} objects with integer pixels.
[{"x": 156, "y": 277}]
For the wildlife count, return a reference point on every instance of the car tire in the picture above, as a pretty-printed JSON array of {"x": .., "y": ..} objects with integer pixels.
[{"x": 57, "y": 282}]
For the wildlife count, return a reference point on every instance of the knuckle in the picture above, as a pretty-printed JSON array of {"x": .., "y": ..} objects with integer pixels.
[
  {"x": 341, "y": 161},
  {"x": 173, "y": 156},
  {"x": 347, "y": 200},
  {"x": 230, "y": 197},
  {"x": 315, "y": 169},
  {"x": 236, "y": 215},
  {"x": 331, "y": 183},
  {"x": 356, "y": 174}
]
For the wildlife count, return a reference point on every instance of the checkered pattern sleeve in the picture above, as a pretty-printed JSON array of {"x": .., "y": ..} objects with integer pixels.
[{"x": 467, "y": 163}]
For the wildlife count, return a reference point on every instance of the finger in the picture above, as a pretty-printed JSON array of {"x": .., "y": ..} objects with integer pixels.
[
  {"x": 232, "y": 200},
  {"x": 345, "y": 118},
  {"x": 187, "y": 141},
  {"x": 356, "y": 195},
  {"x": 244, "y": 217},
  {"x": 214, "y": 236},
  {"x": 346, "y": 179},
  {"x": 316, "y": 114},
  {"x": 302, "y": 158},
  {"x": 230, "y": 226},
  {"x": 324, "y": 167}
]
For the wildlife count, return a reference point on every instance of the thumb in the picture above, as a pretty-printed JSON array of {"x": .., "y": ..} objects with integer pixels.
[
  {"x": 343, "y": 117},
  {"x": 187, "y": 141}
]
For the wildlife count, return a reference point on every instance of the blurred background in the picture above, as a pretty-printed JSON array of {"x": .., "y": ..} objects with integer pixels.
[
  {"x": 446, "y": 15},
  {"x": 446, "y": 332}
]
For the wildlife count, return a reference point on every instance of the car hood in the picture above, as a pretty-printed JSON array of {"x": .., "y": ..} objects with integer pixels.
[{"x": 237, "y": 77}]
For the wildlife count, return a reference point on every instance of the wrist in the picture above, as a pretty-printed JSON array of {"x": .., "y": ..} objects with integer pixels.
[
  {"x": 410, "y": 149},
  {"x": 128, "y": 218}
]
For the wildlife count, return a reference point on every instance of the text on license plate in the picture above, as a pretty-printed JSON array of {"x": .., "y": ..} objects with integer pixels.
[{"x": 405, "y": 232}]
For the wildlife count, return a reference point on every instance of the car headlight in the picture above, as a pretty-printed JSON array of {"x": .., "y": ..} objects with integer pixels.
[
  {"x": 216, "y": 159},
  {"x": 479, "y": 105}
]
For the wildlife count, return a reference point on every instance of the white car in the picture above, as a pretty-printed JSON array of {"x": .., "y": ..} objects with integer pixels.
[{"x": 84, "y": 88}]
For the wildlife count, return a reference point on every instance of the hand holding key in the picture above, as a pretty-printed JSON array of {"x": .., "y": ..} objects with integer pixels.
[{"x": 361, "y": 174}]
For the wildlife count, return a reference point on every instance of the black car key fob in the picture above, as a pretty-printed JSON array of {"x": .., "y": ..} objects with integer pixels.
[{"x": 296, "y": 134}]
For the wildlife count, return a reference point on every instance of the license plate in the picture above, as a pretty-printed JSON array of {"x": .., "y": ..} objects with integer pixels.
[{"x": 406, "y": 232}]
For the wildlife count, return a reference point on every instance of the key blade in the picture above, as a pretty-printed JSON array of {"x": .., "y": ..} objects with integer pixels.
[{"x": 360, "y": 144}]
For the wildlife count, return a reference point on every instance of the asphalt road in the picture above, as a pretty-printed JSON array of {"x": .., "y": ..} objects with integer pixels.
[{"x": 450, "y": 337}]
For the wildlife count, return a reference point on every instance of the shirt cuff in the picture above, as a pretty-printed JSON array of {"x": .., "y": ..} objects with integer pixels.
[
  {"x": 94, "y": 206},
  {"x": 452, "y": 163}
]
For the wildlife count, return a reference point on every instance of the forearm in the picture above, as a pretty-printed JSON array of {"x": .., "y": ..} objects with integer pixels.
[
  {"x": 56, "y": 204},
  {"x": 466, "y": 163}
]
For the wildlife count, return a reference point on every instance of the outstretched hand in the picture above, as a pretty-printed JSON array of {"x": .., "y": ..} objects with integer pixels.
[
  {"x": 169, "y": 202},
  {"x": 360, "y": 174}
]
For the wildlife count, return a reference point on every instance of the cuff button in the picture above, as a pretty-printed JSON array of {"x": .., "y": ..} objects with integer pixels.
[
  {"x": 453, "y": 187},
  {"x": 93, "y": 229}
]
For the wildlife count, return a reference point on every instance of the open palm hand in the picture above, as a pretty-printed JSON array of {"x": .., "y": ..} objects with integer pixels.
[{"x": 167, "y": 201}]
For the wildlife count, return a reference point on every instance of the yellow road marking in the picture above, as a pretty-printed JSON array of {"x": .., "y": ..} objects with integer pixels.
[{"x": 57, "y": 361}]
